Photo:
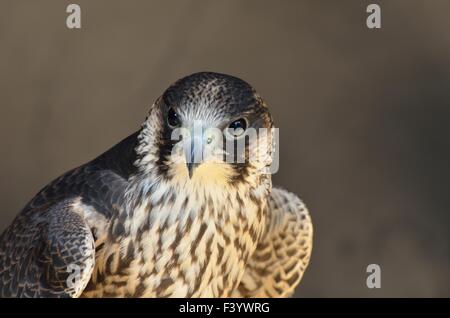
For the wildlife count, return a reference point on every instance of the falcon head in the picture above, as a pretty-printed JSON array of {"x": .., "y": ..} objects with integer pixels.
[{"x": 206, "y": 126}]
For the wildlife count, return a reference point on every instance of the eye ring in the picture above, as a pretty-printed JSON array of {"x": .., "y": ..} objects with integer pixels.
[
  {"x": 173, "y": 120},
  {"x": 237, "y": 128}
]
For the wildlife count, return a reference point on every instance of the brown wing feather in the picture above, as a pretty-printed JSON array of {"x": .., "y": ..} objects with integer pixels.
[
  {"x": 283, "y": 253},
  {"x": 46, "y": 253}
]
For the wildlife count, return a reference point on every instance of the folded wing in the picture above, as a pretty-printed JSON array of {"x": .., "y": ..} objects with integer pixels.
[
  {"x": 46, "y": 253},
  {"x": 281, "y": 257}
]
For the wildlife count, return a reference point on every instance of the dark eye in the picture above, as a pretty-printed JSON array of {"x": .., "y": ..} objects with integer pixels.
[
  {"x": 237, "y": 127},
  {"x": 172, "y": 119}
]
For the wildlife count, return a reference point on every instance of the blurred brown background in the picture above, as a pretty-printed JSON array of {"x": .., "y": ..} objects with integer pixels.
[{"x": 363, "y": 114}]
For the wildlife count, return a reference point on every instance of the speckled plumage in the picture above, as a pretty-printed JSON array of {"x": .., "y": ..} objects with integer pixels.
[{"x": 136, "y": 224}]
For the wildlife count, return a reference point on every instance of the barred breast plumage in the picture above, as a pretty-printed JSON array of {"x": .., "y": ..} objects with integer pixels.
[{"x": 194, "y": 245}]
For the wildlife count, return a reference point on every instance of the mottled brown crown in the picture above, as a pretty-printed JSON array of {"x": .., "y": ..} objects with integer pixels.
[{"x": 224, "y": 95}]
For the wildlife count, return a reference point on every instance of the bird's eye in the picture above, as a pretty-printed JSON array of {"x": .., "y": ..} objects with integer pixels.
[
  {"x": 237, "y": 127},
  {"x": 172, "y": 119}
]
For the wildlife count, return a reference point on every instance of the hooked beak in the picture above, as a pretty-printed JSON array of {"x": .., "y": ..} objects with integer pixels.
[{"x": 193, "y": 151}]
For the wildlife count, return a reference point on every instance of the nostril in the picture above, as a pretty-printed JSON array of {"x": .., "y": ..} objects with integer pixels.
[{"x": 209, "y": 140}]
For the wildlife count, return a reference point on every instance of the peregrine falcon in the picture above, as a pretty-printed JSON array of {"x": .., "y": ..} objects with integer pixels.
[{"x": 153, "y": 217}]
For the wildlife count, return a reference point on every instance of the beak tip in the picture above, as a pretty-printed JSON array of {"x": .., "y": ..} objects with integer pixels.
[{"x": 191, "y": 167}]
